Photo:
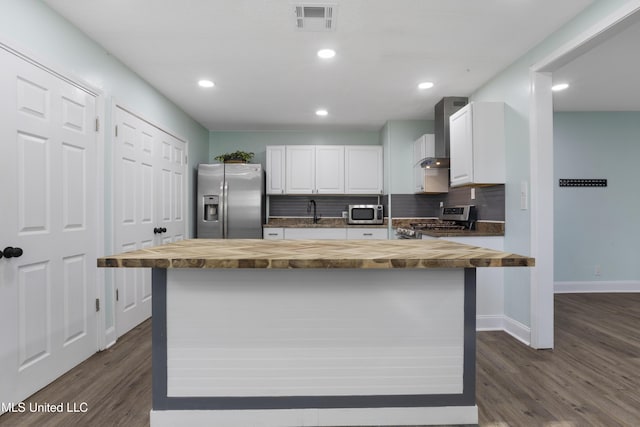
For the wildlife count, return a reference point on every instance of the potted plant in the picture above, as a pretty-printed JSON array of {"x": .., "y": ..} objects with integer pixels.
[{"x": 235, "y": 157}]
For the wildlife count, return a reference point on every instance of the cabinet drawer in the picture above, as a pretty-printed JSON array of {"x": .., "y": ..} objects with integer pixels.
[
  {"x": 273, "y": 233},
  {"x": 315, "y": 233},
  {"x": 367, "y": 233}
]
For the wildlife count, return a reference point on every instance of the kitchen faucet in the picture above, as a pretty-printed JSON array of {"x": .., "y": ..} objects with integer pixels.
[{"x": 316, "y": 218}]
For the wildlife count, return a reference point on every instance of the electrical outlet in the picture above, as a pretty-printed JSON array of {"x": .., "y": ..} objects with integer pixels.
[
  {"x": 473, "y": 193},
  {"x": 441, "y": 204},
  {"x": 344, "y": 214},
  {"x": 597, "y": 271}
]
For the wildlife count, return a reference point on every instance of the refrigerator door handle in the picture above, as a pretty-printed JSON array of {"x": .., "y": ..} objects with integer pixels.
[{"x": 225, "y": 222}]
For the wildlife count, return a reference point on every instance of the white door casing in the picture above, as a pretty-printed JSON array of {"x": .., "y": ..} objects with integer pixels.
[
  {"x": 149, "y": 206},
  {"x": 48, "y": 163},
  {"x": 541, "y": 143}
]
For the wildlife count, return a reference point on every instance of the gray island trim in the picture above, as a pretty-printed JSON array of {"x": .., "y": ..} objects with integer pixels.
[{"x": 162, "y": 402}]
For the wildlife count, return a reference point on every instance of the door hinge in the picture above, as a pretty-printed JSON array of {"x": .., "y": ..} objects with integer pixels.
[
  {"x": 116, "y": 131},
  {"x": 117, "y": 296},
  {"x": 97, "y": 124},
  {"x": 97, "y": 304}
]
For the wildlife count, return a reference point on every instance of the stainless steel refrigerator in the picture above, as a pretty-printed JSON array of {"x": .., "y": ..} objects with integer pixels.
[{"x": 230, "y": 201}]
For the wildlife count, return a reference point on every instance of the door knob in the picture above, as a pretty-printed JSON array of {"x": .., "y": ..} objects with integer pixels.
[
  {"x": 163, "y": 230},
  {"x": 10, "y": 252},
  {"x": 156, "y": 230}
]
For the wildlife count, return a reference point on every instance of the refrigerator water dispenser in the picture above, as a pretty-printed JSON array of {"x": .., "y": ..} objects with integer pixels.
[{"x": 211, "y": 208}]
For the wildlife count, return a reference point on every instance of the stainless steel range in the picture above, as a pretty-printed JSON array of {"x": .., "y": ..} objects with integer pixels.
[{"x": 461, "y": 217}]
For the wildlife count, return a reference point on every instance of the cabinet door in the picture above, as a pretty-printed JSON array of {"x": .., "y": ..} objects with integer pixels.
[
  {"x": 301, "y": 169},
  {"x": 418, "y": 150},
  {"x": 363, "y": 169},
  {"x": 418, "y": 179},
  {"x": 275, "y": 169},
  {"x": 424, "y": 147},
  {"x": 330, "y": 169},
  {"x": 461, "y": 148}
]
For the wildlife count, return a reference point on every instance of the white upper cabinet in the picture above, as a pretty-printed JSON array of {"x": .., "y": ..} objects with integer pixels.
[
  {"x": 477, "y": 147},
  {"x": 427, "y": 180},
  {"x": 324, "y": 169},
  {"x": 275, "y": 169},
  {"x": 314, "y": 169},
  {"x": 300, "y": 169},
  {"x": 363, "y": 169},
  {"x": 424, "y": 147},
  {"x": 329, "y": 169}
]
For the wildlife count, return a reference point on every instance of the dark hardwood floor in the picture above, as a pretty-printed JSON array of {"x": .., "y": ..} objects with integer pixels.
[{"x": 591, "y": 378}]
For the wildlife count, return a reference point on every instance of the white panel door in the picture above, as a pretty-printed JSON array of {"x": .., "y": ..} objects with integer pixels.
[
  {"x": 48, "y": 158},
  {"x": 149, "y": 206},
  {"x": 170, "y": 173}
]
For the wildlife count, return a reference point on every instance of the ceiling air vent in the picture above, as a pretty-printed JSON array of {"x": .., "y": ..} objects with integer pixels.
[{"x": 315, "y": 17}]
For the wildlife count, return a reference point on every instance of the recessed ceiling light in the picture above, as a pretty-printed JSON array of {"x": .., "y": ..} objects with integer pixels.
[
  {"x": 206, "y": 83},
  {"x": 326, "y": 53},
  {"x": 559, "y": 87},
  {"x": 322, "y": 112},
  {"x": 425, "y": 85}
]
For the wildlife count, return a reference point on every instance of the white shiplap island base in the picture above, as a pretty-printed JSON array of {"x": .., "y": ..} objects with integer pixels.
[{"x": 301, "y": 346}]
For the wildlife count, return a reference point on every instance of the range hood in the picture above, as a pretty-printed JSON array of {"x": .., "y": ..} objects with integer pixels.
[{"x": 443, "y": 110}]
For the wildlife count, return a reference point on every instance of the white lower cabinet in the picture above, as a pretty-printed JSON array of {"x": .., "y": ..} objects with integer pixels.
[
  {"x": 273, "y": 233},
  {"x": 311, "y": 233},
  {"x": 315, "y": 233},
  {"x": 367, "y": 234}
]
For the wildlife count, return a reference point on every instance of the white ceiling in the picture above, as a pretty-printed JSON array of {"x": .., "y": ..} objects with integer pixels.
[
  {"x": 605, "y": 78},
  {"x": 267, "y": 73}
]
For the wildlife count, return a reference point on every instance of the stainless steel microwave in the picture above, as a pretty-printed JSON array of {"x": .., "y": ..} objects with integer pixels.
[{"x": 366, "y": 214}]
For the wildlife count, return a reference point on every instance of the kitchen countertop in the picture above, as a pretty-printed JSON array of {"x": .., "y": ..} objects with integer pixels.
[
  {"x": 303, "y": 222},
  {"x": 250, "y": 253},
  {"x": 483, "y": 228}
]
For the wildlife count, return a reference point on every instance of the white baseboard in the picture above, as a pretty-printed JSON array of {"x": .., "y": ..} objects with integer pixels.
[
  {"x": 517, "y": 330},
  {"x": 597, "y": 286},
  {"x": 498, "y": 322},
  {"x": 491, "y": 322},
  {"x": 318, "y": 417}
]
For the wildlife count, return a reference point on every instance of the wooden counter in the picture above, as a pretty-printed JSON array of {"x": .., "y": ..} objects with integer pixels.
[{"x": 379, "y": 254}]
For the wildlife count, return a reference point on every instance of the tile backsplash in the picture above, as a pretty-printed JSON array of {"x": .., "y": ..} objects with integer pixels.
[{"x": 489, "y": 203}]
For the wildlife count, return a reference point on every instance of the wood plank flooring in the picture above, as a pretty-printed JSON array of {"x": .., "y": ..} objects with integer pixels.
[{"x": 591, "y": 378}]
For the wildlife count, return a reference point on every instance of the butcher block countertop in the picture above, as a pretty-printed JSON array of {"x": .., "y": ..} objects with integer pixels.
[{"x": 248, "y": 253}]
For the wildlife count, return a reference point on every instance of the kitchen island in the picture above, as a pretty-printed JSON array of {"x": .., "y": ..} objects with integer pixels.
[{"x": 322, "y": 333}]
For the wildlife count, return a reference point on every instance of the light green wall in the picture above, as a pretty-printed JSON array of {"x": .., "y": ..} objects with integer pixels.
[
  {"x": 596, "y": 226},
  {"x": 34, "y": 29},
  {"x": 512, "y": 86},
  {"x": 257, "y": 141}
]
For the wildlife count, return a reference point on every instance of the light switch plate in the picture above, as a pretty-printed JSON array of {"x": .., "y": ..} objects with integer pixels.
[{"x": 524, "y": 195}]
